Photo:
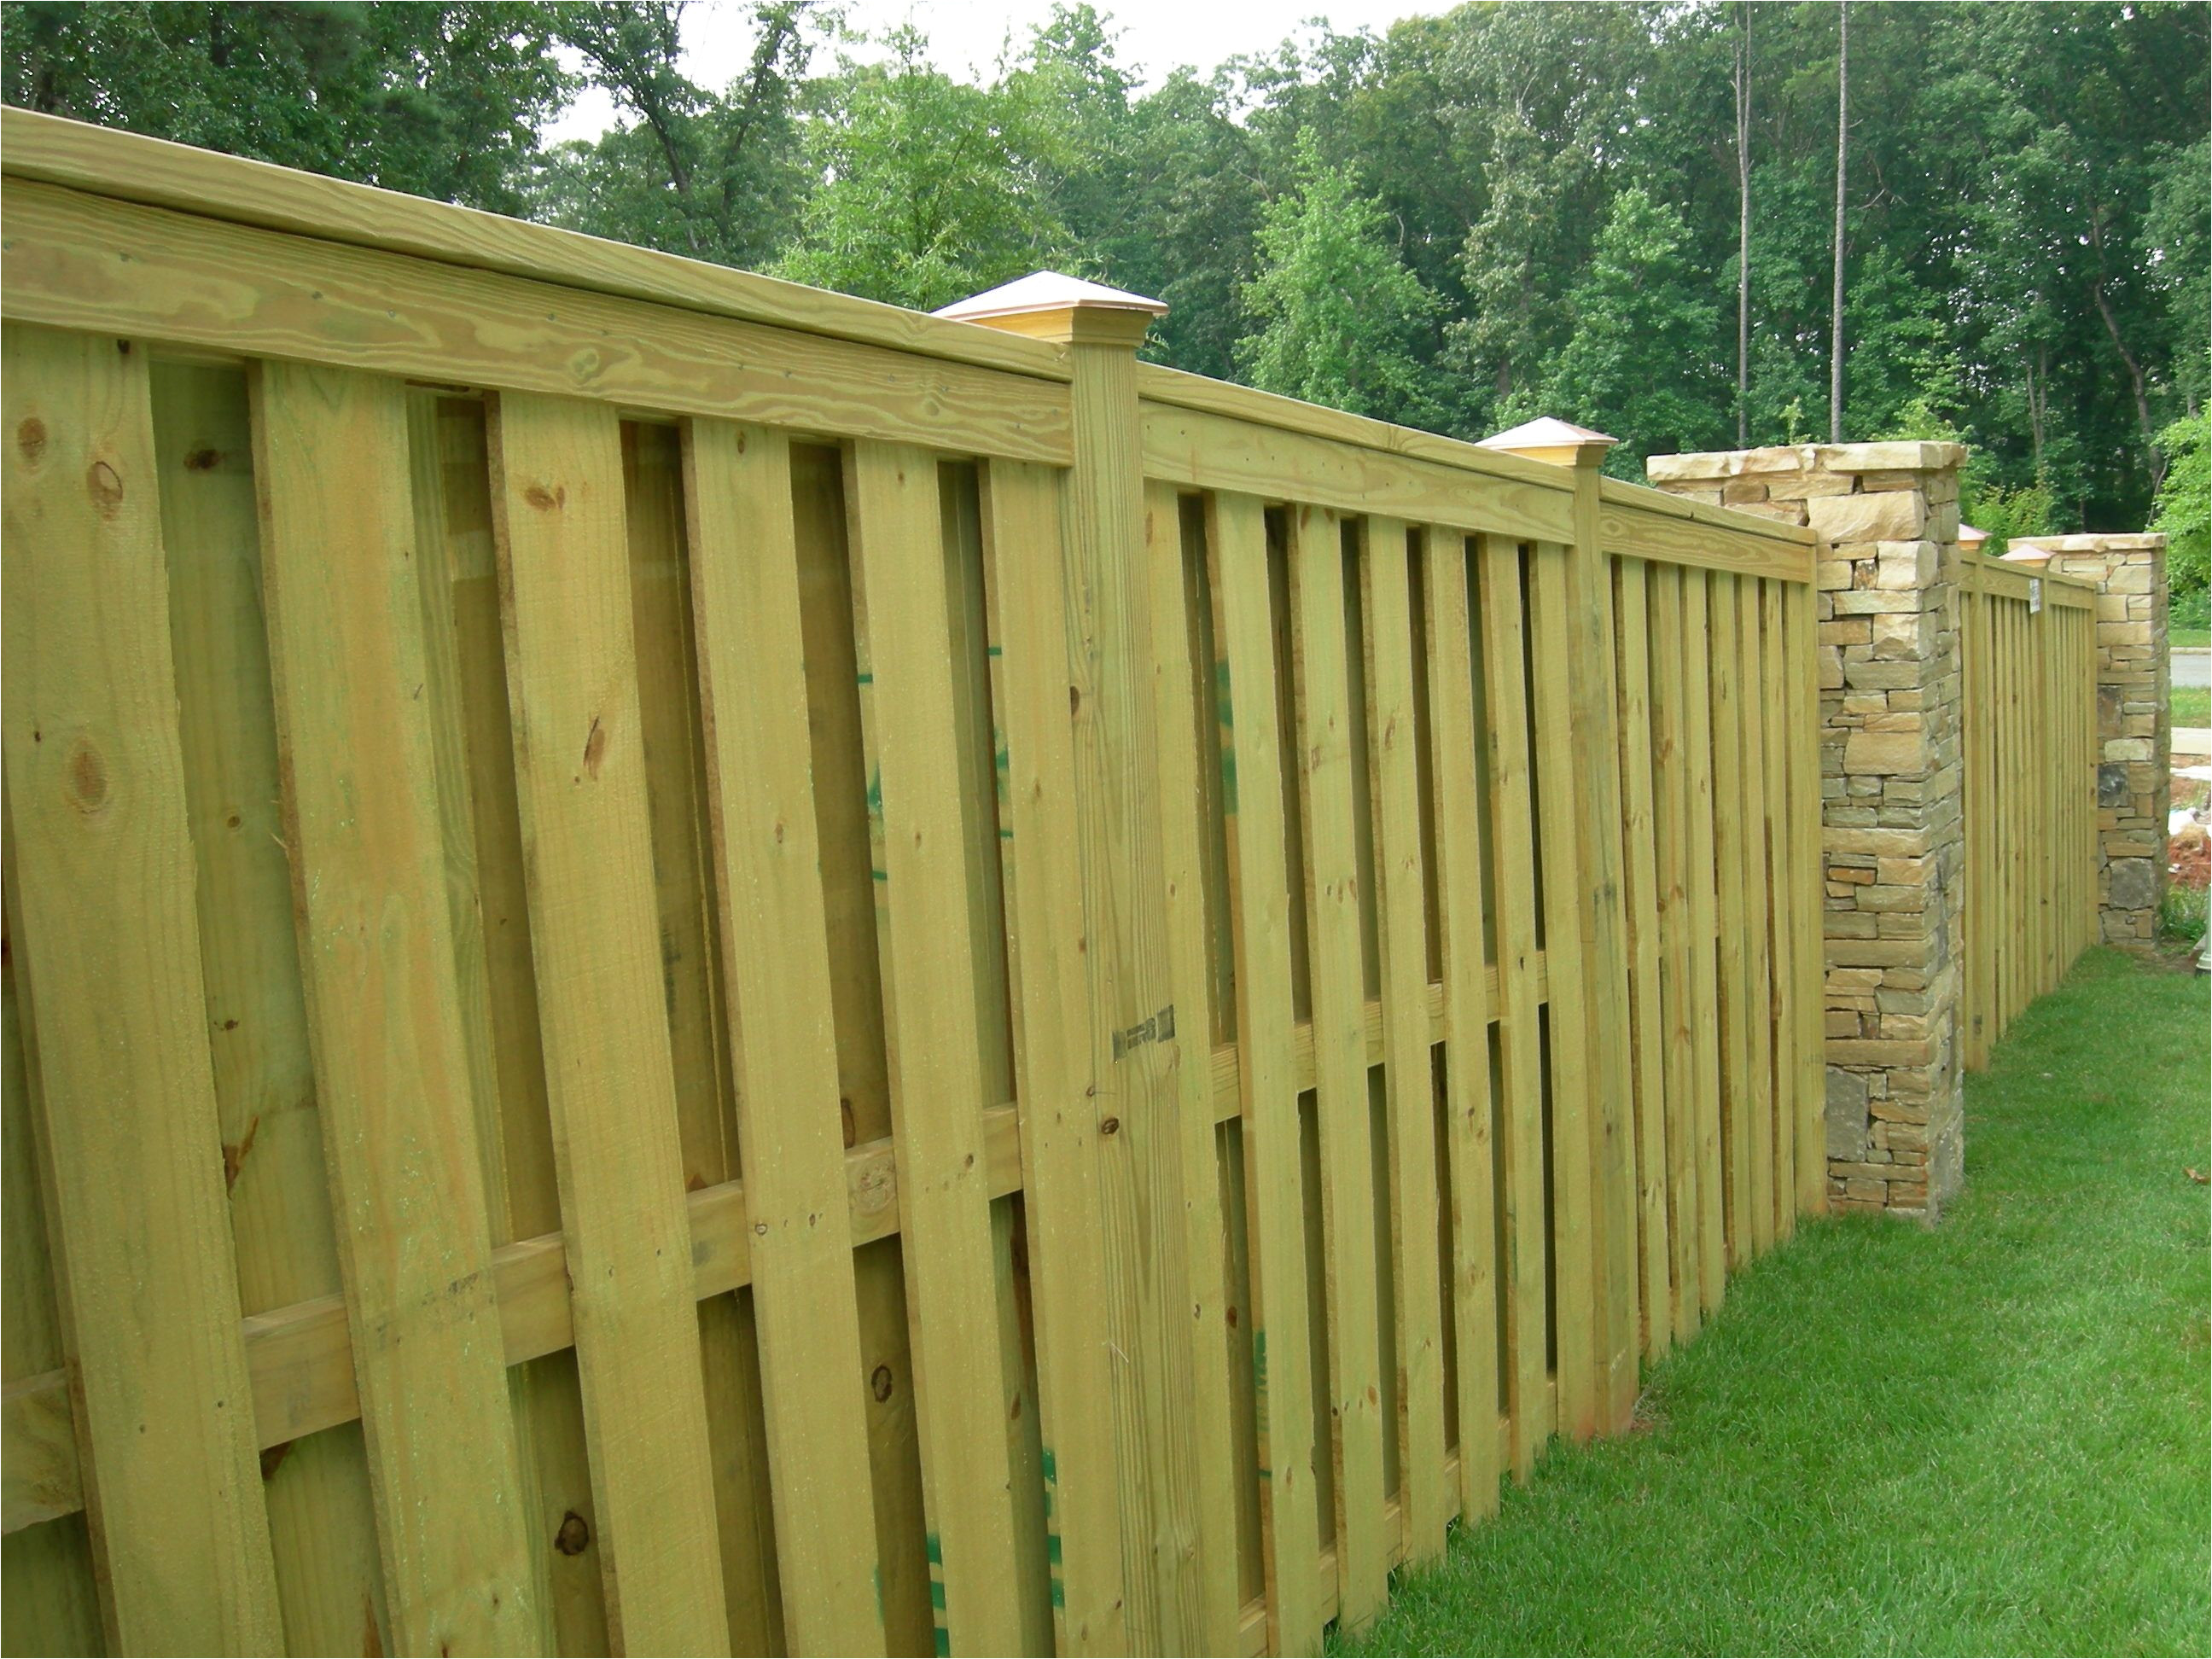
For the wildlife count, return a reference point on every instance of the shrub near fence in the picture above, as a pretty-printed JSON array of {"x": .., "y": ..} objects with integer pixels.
[
  {"x": 2028, "y": 648},
  {"x": 696, "y": 966}
]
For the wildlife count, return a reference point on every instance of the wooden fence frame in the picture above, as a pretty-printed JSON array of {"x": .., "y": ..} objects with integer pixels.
[{"x": 1566, "y": 628}]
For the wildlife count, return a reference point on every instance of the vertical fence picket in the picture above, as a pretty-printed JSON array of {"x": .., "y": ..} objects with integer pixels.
[
  {"x": 1349, "y": 1182},
  {"x": 394, "y": 1084},
  {"x": 1408, "y": 1070},
  {"x": 935, "y": 1057},
  {"x": 111, "y": 979},
  {"x": 1468, "y": 1139},
  {"x": 557, "y": 502},
  {"x": 1524, "y": 1273}
]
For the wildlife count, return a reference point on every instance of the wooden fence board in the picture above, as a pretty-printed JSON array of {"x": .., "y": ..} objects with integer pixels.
[
  {"x": 394, "y": 1084},
  {"x": 557, "y": 497},
  {"x": 1469, "y": 1141},
  {"x": 1631, "y": 608},
  {"x": 1701, "y": 910},
  {"x": 1283, "y": 1382},
  {"x": 1753, "y": 709},
  {"x": 1190, "y": 771},
  {"x": 1348, "y": 1178},
  {"x": 322, "y": 1523},
  {"x": 1061, "y": 1198},
  {"x": 1782, "y": 799},
  {"x": 111, "y": 978},
  {"x": 774, "y": 944},
  {"x": 1724, "y": 633},
  {"x": 1523, "y": 1273},
  {"x": 936, "y": 1080},
  {"x": 1401, "y": 862},
  {"x": 1576, "y": 1243}
]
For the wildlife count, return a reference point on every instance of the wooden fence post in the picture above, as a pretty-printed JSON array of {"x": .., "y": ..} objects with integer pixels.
[
  {"x": 1595, "y": 698},
  {"x": 1179, "y": 1581}
]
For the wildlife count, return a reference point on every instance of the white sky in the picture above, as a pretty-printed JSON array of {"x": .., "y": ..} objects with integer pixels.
[{"x": 965, "y": 40}]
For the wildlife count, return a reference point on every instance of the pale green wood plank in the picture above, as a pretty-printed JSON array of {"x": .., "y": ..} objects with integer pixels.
[
  {"x": 936, "y": 1078},
  {"x": 1640, "y": 865},
  {"x": 1729, "y": 866},
  {"x": 1184, "y": 697},
  {"x": 1460, "y": 849},
  {"x": 376, "y": 950},
  {"x": 1701, "y": 910},
  {"x": 1527, "y": 1243},
  {"x": 1577, "y": 1240},
  {"x": 1348, "y": 1196},
  {"x": 1061, "y": 1198},
  {"x": 580, "y": 772},
  {"x": 1757, "y": 912},
  {"x": 109, "y": 969},
  {"x": 744, "y": 580},
  {"x": 1409, "y": 1076},
  {"x": 1283, "y": 1385}
]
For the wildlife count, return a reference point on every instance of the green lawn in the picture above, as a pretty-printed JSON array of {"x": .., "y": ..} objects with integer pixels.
[
  {"x": 2191, "y": 705},
  {"x": 1987, "y": 1438},
  {"x": 2187, "y": 636}
]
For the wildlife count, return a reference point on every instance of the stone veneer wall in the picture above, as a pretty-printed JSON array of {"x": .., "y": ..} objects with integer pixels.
[
  {"x": 2135, "y": 735},
  {"x": 1893, "y": 843}
]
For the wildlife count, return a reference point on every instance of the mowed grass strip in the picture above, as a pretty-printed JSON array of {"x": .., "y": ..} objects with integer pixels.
[{"x": 1990, "y": 1437}]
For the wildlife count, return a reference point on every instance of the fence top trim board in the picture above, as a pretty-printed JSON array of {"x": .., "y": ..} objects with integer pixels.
[
  {"x": 1984, "y": 574},
  {"x": 158, "y": 174}
]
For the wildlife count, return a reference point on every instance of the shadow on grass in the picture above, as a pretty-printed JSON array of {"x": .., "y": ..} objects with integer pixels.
[{"x": 1987, "y": 1438}]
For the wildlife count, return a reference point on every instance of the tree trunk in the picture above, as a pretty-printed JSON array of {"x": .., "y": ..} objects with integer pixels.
[
  {"x": 1743, "y": 233},
  {"x": 1842, "y": 158}
]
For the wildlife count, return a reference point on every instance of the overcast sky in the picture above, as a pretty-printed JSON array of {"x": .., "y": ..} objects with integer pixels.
[{"x": 965, "y": 40}]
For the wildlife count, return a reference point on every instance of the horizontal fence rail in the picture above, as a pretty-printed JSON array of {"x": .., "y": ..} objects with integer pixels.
[
  {"x": 693, "y": 967},
  {"x": 2028, "y": 645}
]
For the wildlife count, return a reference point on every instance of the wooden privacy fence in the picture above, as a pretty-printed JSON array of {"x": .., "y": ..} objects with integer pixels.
[
  {"x": 2029, "y": 652},
  {"x": 695, "y": 966}
]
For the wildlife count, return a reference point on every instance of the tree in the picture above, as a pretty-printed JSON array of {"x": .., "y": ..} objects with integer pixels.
[
  {"x": 1743, "y": 230},
  {"x": 1642, "y": 362},
  {"x": 1843, "y": 171},
  {"x": 1337, "y": 317},
  {"x": 715, "y": 175},
  {"x": 924, "y": 187},
  {"x": 2184, "y": 514},
  {"x": 439, "y": 99}
]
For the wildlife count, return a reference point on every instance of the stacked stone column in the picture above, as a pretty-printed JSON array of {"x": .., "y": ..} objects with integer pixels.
[
  {"x": 1892, "y": 842},
  {"x": 2134, "y": 736}
]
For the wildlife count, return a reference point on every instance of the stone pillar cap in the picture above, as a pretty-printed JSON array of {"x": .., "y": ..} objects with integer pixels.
[{"x": 1559, "y": 442}]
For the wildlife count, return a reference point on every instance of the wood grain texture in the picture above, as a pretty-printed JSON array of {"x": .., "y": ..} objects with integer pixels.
[
  {"x": 86, "y": 261},
  {"x": 1190, "y": 771},
  {"x": 399, "y": 1122},
  {"x": 1210, "y": 451},
  {"x": 1060, "y": 1173},
  {"x": 1525, "y": 1269},
  {"x": 931, "y": 1022},
  {"x": 1734, "y": 964},
  {"x": 744, "y": 579},
  {"x": 1409, "y": 1076},
  {"x": 1461, "y": 815},
  {"x": 1349, "y": 1180},
  {"x": 557, "y": 499},
  {"x": 108, "y": 955},
  {"x": 1261, "y": 904}
]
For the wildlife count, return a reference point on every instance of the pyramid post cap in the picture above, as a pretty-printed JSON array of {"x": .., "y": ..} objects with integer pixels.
[
  {"x": 1560, "y": 443},
  {"x": 1972, "y": 539},
  {"x": 1049, "y": 305}
]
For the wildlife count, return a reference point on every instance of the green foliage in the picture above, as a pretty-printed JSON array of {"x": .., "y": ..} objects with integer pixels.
[
  {"x": 2027, "y": 251},
  {"x": 925, "y": 186},
  {"x": 2008, "y": 514},
  {"x": 438, "y": 99},
  {"x": 1339, "y": 320},
  {"x": 1641, "y": 360},
  {"x": 2184, "y": 513},
  {"x": 2025, "y": 1472}
]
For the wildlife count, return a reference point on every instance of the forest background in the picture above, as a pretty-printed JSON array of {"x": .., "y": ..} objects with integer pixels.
[{"x": 1626, "y": 214}]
